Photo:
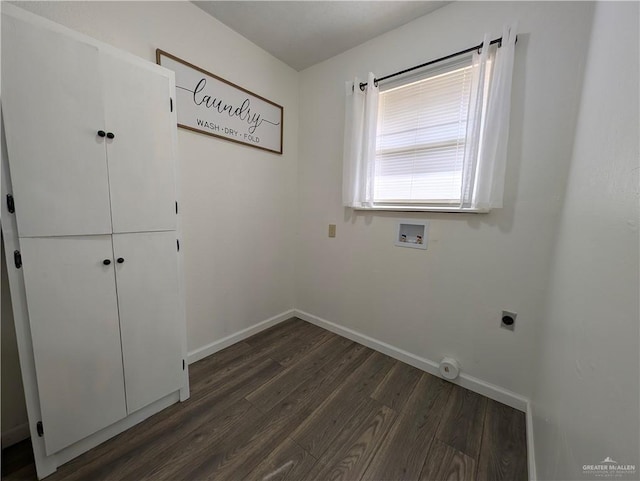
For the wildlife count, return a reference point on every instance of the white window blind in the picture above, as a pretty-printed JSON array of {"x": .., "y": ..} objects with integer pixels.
[{"x": 421, "y": 132}]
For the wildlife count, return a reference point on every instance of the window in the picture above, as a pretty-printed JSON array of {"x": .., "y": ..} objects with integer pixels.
[
  {"x": 433, "y": 141},
  {"x": 420, "y": 140}
]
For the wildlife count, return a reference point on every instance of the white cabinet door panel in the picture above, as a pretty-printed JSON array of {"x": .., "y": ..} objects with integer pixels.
[
  {"x": 53, "y": 108},
  {"x": 73, "y": 314},
  {"x": 141, "y": 156},
  {"x": 149, "y": 315}
]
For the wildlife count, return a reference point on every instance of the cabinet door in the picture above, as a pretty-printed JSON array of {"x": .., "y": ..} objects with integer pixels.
[
  {"x": 147, "y": 280},
  {"x": 52, "y": 109},
  {"x": 73, "y": 314},
  {"x": 141, "y": 155}
]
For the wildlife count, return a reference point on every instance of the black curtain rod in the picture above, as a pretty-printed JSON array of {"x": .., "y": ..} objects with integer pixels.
[{"x": 441, "y": 59}]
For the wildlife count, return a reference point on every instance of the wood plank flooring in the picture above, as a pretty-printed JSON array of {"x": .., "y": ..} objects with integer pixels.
[{"x": 296, "y": 402}]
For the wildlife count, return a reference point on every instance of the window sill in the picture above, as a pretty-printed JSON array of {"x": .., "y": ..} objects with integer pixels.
[{"x": 416, "y": 208}]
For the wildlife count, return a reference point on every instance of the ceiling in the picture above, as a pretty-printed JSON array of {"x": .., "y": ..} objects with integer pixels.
[{"x": 303, "y": 33}]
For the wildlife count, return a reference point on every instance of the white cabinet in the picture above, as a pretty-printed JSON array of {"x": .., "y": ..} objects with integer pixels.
[
  {"x": 91, "y": 345},
  {"x": 90, "y": 137},
  {"x": 147, "y": 279},
  {"x": 92, "y": 162},
  {"x": 141, "y": 155},
  {"x": 73, "y": 314},
  {"x": 53, "y": 107}
]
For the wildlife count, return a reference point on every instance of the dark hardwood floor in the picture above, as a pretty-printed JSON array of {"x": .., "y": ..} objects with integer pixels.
[{"x": 296, "y": 402}]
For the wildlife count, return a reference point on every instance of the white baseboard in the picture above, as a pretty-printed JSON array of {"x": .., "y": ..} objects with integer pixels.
[
  {"x": 472, "y": 383},
  {"x": 531, "y": 453},
  {"x": 15, "y": 435},
  {"x": 219, "y": 345}
]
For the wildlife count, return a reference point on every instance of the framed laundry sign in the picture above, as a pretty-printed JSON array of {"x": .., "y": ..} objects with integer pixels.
[{"x": 214, "y": 106}]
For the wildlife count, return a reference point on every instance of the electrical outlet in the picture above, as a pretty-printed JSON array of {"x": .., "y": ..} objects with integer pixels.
[
  {"x": 332, "y": 230},
  {"x": 508, "y": 320}
]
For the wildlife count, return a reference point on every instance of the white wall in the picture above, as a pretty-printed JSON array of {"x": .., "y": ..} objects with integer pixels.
[
  {"x": 586, "y": 398},
  {"x": 238, "y": 203},
  {"x": 446, "y": 300}
]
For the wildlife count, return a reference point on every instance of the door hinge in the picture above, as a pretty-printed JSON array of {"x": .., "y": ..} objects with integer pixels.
[
  {"x": 11, "y": 206},
  {"x": 39, "y": 428},
  {"x": 178, "y": 244},
  {"x": 17, "y": 259},
  {"x": 176, "y": 206},
  {"x": 183, "y": 364},
  {"x": 171, "y": 103}
]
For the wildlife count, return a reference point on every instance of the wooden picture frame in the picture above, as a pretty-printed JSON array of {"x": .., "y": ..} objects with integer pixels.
[{"x": 211, "y": 105}]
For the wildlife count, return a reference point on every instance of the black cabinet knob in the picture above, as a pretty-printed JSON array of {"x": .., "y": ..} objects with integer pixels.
[
  {"x": 106, "y": 262},
  {"x": 110, "y": 135},
  {"x": 120, "y": 260},
  {"x": 101, "y": 133}
]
